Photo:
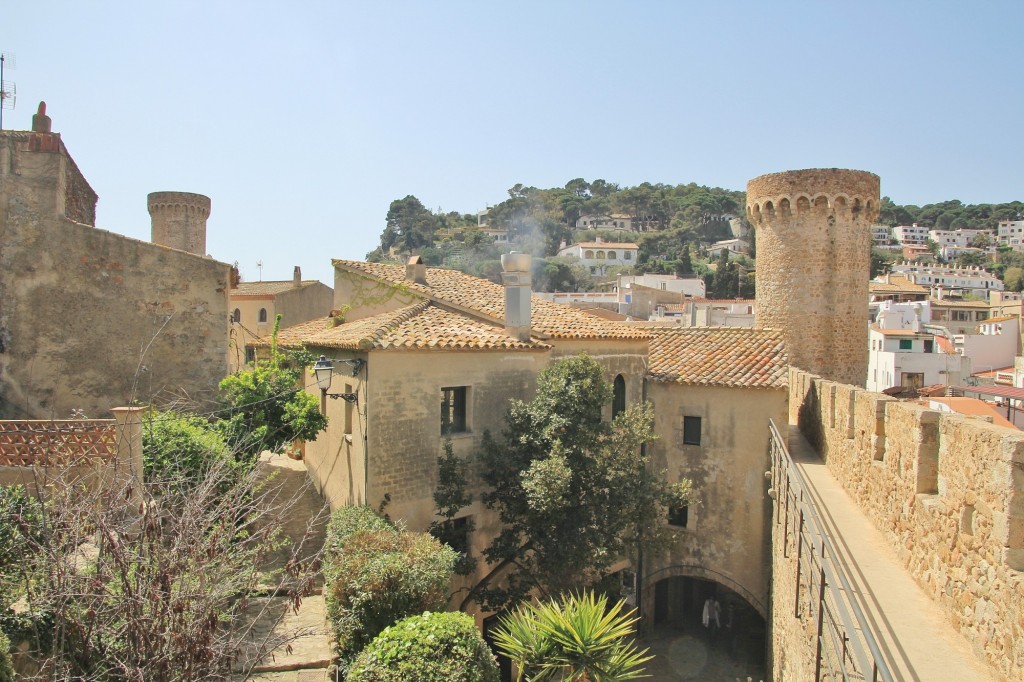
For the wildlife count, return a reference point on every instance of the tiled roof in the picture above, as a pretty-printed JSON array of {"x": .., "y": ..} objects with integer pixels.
[
  {"x": 896, "y": 284},
  {"x": 264, "y": 288},
  {"x": 462, "y": 292},
  {"x": 719, "y": 356},
  {"x": 953, "y": 303},
  {"x": 1004, "y": 318},
  {"x": 605, "y": 245},
  {"x": 420, "y": 326},
  {"x": 903, "y": 331}
]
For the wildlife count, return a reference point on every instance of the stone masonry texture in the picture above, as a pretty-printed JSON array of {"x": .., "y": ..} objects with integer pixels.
[
  {"x": 813, "y": 261},
  {"x": 947, "y": 492}
]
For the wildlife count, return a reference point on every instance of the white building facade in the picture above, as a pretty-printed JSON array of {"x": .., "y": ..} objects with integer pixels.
[{"x": 599, "y": 256}]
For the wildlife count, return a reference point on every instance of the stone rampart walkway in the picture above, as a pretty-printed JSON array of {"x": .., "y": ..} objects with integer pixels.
[{"x": 915, "y": 637}]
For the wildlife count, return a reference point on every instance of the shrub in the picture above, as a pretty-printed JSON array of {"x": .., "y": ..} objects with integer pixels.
[
  {"x": 180, "y": 449},
  {"x": 6, "y": 665},
  {"x": 432, "y": 647},
  {"x": 376, "y": 574}
]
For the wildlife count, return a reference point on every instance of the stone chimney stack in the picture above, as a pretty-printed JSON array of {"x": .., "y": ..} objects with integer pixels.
[
  {"x": 415, "y": 270},
  {"x": 297, "y": 277},
  {"x": 179, "y": 220},
  {"x": 515, "y": 277}
]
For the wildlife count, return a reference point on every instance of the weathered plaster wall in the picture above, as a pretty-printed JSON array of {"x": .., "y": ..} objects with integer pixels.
[
  {"x": 727, "y": 538},
  {"x": 365, "y": 297},
  {"x": 88, "y": 318},
  {"x": 948, "y": 493}
]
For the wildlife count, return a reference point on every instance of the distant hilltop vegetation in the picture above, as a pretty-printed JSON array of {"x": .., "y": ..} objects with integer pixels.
[{"x": 673, "y": 226}]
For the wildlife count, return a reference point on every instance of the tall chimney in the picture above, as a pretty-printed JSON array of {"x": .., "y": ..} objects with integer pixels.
[
  {"x": 179, "y": 220},
  {"x": 297, "y": 277},
  {"x": 515, "y": 277}
]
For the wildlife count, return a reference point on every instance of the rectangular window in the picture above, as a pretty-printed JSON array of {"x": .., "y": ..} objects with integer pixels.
[
  {"x": 679, "y": 516},
  {"x": 906, "y": 344},
  {"x": 929, "y": 346},
  {"x": 691, "y": 430},
  {"x": 459, "y": 537},
  {"x": 453, "y": 410}
]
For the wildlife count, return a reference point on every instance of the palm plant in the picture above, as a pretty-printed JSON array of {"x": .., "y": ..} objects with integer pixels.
[{"x": 577, "y": 639}]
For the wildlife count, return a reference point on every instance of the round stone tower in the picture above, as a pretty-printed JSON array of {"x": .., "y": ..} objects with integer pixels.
[
  {"x": 179, "y": 220},
  {"x": 813, "y": 262}
]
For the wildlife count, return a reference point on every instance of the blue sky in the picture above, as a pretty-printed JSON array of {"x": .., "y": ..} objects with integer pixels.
[{"x": 303, "y": 121}]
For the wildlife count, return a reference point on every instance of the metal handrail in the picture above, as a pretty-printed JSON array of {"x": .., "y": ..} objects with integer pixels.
[{"x": 832, "y": 569}]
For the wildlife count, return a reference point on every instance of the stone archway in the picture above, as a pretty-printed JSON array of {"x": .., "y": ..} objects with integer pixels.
[{"x": 676, "y": 600}]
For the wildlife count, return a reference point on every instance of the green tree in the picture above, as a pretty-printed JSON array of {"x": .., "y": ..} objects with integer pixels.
[
  {"x": 684, "y": 265},
  {"x": 410, "y": 226},
  {"x": 178, "y": 449},
  {"x": 266, "y": 405},
  {"x": 450, "y": 498},
  {"x": 430, "y": 647},
  {"x": 573, "y": 491},
  {"x": 577, "y": 638},
  {"x": 376, "y": 574}
]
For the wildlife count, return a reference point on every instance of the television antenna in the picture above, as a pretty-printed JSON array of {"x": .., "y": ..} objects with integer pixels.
[
  {"x": 8, "y": 90},
  {"x": 259, "y": 264}
]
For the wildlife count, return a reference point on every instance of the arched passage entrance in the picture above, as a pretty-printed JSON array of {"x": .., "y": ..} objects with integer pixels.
[{"x": 703, "y": 625}]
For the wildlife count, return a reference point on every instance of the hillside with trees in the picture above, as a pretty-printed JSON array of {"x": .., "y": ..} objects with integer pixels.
[{"x": 672, "y": 224}]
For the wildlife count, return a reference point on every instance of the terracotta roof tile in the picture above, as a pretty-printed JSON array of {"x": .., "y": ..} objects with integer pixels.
[
  {"x": 896, "y": 284},
  {"x": 421, "y": 326},
  {"x": 264, "y": 288},
  {"x": 482, "y": 298},
  {"x": 719, "y": 356}
]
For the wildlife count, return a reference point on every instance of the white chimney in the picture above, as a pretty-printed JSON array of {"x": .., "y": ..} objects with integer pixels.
[
  {"x": 515, "y": 277},
  {"x": 915, "y": 326}
]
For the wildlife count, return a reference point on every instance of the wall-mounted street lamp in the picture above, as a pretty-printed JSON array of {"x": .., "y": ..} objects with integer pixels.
[{"x": 324, "y": 372}]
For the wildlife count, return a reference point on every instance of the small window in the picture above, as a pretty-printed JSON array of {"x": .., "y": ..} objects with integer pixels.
[
  {"x": 618, "y": 396},
  {"x": 453, "y": 410},
  {"x": 263, "y": 315},
  {"x": 679, "y": 516},
  {"x": 627, "y": 255},
  {"x": 611, "y": 255},
  {"x": 588, "y": 254},
  {"x": 250, "y": 355},
  {"x": 906, "y": 344},
  {"x": 236, "y": 316},
  {"x": 929, "y": 346},
  {"x": 691, "y": 430},
  {"x": 459, "y": 537}
]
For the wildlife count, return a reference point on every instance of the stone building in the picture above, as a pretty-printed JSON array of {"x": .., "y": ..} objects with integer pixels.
[
  {"x": 89, "y": 318},
  {"x": 256, "y": 305},
  {"x": 422, "y": 349}
]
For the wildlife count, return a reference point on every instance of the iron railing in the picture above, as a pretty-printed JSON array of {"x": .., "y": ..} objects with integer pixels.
[{"x": 846, "y": 648}]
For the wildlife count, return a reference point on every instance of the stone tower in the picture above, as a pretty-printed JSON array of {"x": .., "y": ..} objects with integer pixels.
[
  {"x": 179, "y": 220},
  {"x": 813, "y": 261}
]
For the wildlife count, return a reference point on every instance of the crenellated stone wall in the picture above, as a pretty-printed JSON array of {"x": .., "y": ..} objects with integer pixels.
[{"x": 947, "y": 491}]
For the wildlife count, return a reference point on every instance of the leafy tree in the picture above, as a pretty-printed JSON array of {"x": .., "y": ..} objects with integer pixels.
[
  {"x": 450, "y": 498},
  {"x": 178, "y": 449},
  {"x": 410, "y": 226},
  {"x": 573, "y": 491},
  {"x": 576, "y": 638},
  {"x": 431, "y": 647},
  {"x": 1013, "y": 278},
  {"x": 376, "y": 574},
  {"x": 268, "y": 408}
]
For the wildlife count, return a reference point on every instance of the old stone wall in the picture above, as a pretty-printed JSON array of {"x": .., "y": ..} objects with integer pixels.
[
  {"x": 813, "y": 258},
  {"x": 89, "y": 318},
  {"x": 948, "y": 493},
  {"x": 727, "y": 534}
]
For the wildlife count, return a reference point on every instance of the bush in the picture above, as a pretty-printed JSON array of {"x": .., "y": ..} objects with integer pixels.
[
  {"x": 6, "y": 665},
  {"x": 432, "y": 647},
  {"x": 376, "y": 574},
  {"x": 180, "y": 449}
]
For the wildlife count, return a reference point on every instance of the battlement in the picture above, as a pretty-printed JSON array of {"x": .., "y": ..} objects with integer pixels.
[
  {"x": 777, "y": 196},
  {"x": 179, "y": 220},
  {"x": 947, "y": 491}
]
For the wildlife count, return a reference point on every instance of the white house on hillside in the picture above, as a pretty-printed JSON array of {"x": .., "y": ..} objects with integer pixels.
[{"x": 600, "y": 255}]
